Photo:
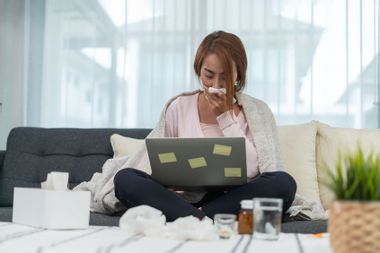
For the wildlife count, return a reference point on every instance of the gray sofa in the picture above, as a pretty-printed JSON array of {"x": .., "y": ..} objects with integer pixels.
[{"x": 33, "y": 152}]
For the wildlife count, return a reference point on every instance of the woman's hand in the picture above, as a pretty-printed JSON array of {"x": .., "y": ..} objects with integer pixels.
[{"x": 217, "y": 102}]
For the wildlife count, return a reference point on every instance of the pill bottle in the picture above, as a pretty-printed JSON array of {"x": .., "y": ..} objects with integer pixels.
[{"x": 245, "y": 217}]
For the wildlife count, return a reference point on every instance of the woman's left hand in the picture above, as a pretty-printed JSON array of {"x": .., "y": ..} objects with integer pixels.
[{"x": 217, "y": 102}]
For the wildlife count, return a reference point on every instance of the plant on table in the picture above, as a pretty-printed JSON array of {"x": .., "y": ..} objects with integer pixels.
[{"x": 354, "y": 217}]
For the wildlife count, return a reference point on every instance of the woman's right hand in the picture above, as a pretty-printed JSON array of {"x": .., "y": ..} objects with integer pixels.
[{"x": 217, "y": 101}]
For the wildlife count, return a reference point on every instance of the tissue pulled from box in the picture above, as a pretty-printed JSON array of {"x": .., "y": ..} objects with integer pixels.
[
  {"x": 56, "y": 181},
  {"x": 150, "y": 221}
]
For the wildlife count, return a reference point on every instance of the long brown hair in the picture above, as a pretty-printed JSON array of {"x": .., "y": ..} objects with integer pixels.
[{"x": 230, "y": 50}]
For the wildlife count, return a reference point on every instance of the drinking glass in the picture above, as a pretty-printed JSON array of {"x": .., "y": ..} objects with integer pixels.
[
  {"x": 267, "y": 214},
  {"x": 225, "y": 225}
]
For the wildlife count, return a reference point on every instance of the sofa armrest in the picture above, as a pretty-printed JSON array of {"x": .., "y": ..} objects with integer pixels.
[{"x": 2, "y": 156}]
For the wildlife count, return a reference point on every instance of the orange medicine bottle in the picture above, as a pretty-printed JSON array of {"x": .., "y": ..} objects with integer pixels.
[{"x": 245, "y": 218}]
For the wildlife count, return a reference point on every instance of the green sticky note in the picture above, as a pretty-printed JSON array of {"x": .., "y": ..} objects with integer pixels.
[
  {"x": 222, "y": 150},
  {"x": 197, "y": 162},
  {"x": 232, "y": 172},
  {"x": 167, "y": 157}
]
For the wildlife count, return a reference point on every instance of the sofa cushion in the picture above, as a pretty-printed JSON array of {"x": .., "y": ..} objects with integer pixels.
[
  {"x": 298, "y": 152},
  {"x": 305, "y": 227},
  {"x": 99, "y": 219},
  {"x": 6, "y": 214},
  {"x": 331, "y": 141},
  {"x": 124, "y": 146},
  {"x": 33, "y": 152}
]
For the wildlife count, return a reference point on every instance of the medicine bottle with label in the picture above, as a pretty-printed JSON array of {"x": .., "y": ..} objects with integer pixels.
[{"x": 245, "y": 219}]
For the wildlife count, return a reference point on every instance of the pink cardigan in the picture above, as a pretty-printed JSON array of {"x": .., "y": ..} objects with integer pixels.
[{"x": 182, "y": 120}]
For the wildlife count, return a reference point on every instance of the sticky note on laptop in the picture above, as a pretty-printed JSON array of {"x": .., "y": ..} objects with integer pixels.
[
  {"x": 197, "y": 162},
  {"x": 167, "y": 157},
  {"x": 232, "y": 172},
  {"x": 222, "y": 150}
]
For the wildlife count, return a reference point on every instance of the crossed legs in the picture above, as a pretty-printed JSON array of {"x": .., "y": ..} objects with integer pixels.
[{"x": 134, "y": 187}]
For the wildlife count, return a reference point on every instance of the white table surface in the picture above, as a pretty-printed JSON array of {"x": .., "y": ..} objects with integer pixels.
[{"x": 17, "y": 238}]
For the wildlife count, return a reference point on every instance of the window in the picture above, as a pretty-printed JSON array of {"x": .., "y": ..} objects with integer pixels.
[{"x": 115, "y": 63}]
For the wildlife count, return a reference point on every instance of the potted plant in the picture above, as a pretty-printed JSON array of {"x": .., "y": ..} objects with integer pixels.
[{"x": 354, "y": 217}]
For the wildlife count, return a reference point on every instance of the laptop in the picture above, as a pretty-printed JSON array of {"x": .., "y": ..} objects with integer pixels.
[{"x": 198, "y": 163}]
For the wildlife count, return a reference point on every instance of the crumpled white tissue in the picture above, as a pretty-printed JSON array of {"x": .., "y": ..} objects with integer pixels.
[
  {"x": 144, "y": 220},
  {"x": 191, "y": 228},
  {"x": 56, "y": 181},
  {"x": 150, "y": 221}
]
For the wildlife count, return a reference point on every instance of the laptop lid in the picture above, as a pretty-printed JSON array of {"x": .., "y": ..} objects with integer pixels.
[{"x": 198, "y": 163}]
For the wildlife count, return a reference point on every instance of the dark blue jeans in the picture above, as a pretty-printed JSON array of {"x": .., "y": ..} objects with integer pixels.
[{"x": 134, "y": 187}]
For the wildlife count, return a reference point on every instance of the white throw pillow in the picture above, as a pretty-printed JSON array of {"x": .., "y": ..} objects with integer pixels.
[
  {"x": 298, "y": 152},
  {"x": 124, "y": 146},
  {"x": 331, "y": 141}
]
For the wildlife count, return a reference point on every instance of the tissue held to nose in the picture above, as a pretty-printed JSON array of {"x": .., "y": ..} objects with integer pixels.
[{"x": 150, "y": 221}]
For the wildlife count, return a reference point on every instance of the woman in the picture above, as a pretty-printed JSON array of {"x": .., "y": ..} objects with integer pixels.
[{"x": 220, "y": 62}]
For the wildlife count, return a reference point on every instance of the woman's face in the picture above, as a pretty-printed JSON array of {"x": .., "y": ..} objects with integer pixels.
[{"x": 212, "y": 72}]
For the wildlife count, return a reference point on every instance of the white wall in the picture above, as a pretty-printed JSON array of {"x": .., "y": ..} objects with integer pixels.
[{"x": 12, "y": 70}]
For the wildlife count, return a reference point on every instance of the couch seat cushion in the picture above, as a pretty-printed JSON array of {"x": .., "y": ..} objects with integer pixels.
[{"x": 305, "y": 227}]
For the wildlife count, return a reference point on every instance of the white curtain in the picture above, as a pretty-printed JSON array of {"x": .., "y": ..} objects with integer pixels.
[
  {"x": 114, "y": 63},
  {"x": 12, "y": 70}
]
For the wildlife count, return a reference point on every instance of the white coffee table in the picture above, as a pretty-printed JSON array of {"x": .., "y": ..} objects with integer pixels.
[{"x": 17, "y": 238}]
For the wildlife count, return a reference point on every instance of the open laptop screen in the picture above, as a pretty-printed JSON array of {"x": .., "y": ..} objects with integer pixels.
[{"x": 198, "y": 163}]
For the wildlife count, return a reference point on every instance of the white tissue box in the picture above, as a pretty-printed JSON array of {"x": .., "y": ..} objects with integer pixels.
[{"x": 51, "y": 209}]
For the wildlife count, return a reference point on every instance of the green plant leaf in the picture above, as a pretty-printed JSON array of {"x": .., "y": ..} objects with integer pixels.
[{"x": 356, "y": 177}]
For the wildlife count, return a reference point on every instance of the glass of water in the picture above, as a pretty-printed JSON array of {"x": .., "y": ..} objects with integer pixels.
[{"x": 267, "y": 214}]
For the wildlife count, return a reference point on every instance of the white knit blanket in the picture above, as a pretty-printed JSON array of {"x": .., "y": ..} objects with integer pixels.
[{"x": 263, "y": 129}]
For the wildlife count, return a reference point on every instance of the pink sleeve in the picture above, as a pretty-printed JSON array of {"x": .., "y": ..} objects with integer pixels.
[
  {"x": 171, "y": 120},
  {"x": 230, "y": 126}
]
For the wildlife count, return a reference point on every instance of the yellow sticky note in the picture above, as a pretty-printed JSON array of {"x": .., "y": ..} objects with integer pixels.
[
  {"x": 167, "y": 157},
  {"x": 222, "y": 150},
  {"x": 232, "y": 172},
  {"x": 197, "y": 162}
]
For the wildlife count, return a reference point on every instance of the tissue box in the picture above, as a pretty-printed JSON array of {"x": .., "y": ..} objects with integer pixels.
[{"x": 51, "y": 209}]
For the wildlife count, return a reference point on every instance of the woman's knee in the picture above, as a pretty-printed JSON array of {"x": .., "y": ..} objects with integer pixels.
[
  {"x": 124, "y": 181},
  {"x": 285, "y": 179},
  {"x": 285, "y": 185}
]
